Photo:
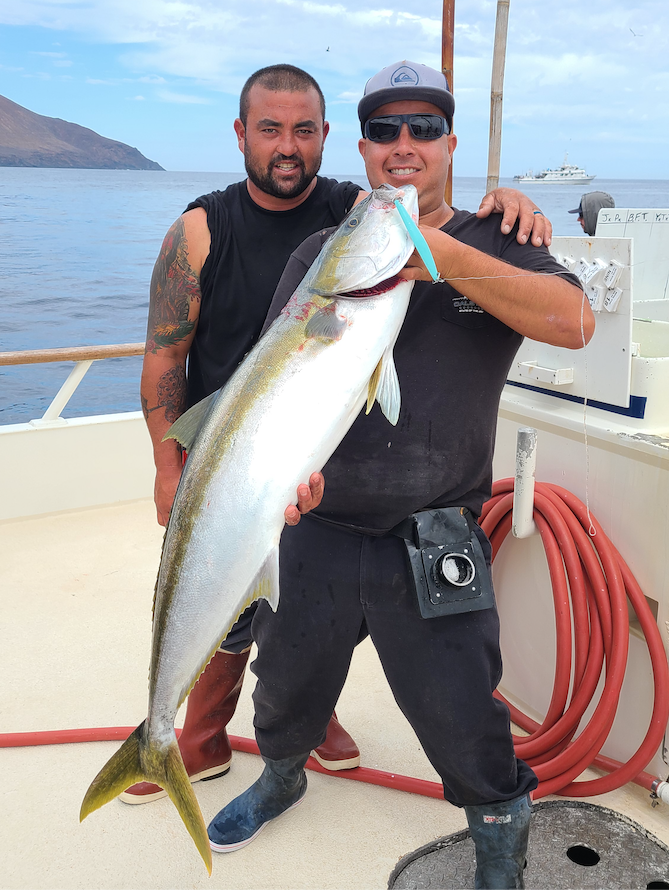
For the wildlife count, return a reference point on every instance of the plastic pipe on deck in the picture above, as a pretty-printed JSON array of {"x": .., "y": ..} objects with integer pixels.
[
  {"x": 523, "y": 525},
  {"x": 661, "y": 790}
]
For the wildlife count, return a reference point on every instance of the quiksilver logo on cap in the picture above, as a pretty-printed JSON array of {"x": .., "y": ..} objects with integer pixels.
[{"x": 404, "y": 77}]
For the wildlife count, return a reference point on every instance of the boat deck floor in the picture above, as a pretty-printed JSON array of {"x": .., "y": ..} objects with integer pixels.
[{"x": 76, "y": 591}]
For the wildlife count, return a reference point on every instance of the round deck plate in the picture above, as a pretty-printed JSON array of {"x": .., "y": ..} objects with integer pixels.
[{"x": 572, "y": 844}]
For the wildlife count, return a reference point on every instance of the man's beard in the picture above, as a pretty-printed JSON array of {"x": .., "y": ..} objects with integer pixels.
[{"x": 262, "y": 177}]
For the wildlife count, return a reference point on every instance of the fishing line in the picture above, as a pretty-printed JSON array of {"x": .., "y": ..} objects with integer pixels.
[
  {"x": 592, "y": 531},
  {"x": 426, "y": 255},
  {"x": 528, "y": 274}
]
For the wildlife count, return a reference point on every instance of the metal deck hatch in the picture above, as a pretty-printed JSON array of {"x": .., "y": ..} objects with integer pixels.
[{"x": 572, "y": 845}]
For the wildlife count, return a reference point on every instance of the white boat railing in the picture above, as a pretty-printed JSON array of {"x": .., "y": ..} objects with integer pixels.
[{"x": 82, "y": 356}]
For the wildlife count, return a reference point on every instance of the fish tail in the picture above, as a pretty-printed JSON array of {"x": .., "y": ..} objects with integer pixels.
[
  {"x": 120, "y": 772},
  {"x": 178, "y": 786},
  {"x": 139, "y": 760}
]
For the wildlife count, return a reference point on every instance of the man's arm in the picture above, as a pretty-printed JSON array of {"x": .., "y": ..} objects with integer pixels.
[
  {"x": 174, "y": 309},
  {"x": 542, "y": 306}
]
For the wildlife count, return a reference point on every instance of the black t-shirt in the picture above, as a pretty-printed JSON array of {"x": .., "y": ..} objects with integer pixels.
[
  {"x": 452, "y": 360},
  {"x": 249, "y": 249}
]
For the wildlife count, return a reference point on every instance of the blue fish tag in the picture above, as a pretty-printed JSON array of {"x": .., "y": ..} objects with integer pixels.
[{"x": 419, "y": 241}]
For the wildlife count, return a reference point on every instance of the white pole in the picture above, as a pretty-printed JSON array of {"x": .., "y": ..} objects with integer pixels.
[
  {"x": 66, "y": 391},
  {"x": 523, "y": 490}
]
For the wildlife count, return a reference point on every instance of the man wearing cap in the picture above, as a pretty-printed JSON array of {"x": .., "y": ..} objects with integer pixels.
[
  {"x": 347, "y": 568},
  {"x": 589, "y": 207},
  {"x": 211, "y": 288}
]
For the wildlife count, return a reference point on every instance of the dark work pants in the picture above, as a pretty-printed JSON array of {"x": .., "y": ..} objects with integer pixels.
[{"x": 337, "y": 584}]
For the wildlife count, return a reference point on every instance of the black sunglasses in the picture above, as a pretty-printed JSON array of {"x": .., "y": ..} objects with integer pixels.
[{"x": 422, "y": 126}]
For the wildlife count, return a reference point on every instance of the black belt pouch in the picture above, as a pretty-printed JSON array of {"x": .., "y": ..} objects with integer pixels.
[{"x": 447, "y": 562}]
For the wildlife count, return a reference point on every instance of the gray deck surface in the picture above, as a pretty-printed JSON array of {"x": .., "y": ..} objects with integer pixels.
[{"x": 75, "y": 592}]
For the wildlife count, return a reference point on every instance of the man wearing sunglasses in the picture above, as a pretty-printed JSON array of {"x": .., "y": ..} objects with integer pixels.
[
  {"x": 348, "y": 569},
  {"x": 211, "y": 288}
]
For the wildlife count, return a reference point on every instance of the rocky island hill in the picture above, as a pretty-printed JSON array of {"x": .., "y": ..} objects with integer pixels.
[{"x": 33, "y": 140}]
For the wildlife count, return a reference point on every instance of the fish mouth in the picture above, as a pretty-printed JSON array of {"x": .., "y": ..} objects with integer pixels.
[{"x": 381, "y": 288}]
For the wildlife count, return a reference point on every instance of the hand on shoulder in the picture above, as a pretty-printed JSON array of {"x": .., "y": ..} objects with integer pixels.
[{"x": 514, "y": 205}]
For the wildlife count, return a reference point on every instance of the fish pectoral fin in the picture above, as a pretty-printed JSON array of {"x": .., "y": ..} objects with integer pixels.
[
  {"x": 326, "y": 323},
  {"x": 137, "y": 760},
  {"x": 373, "y": 386},
  {"x": 185, "y": 428},
  {"x": 266, "y": 583},
  {"x": 384, "y": 387}
]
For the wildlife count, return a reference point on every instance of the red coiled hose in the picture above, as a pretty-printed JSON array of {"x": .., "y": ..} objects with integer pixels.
[{"x": 591, "y": 581}]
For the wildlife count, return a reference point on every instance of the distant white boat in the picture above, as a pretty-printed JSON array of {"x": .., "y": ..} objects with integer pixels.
[{"x": 565, "y": 173}]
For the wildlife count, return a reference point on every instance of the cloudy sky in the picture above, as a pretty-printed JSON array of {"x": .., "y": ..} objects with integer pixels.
[{"x": 587, "y": 78}]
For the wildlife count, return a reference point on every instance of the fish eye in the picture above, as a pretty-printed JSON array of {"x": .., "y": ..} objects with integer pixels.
[{"x": 353, "y": 222}]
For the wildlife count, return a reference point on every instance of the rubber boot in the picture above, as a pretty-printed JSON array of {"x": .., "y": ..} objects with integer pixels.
[
  {"x": 338, "y": 751},
  {"x": 500, "y": 833},
  {"x": 281, "y": 787},
  {"x": 203, "y": 742}
]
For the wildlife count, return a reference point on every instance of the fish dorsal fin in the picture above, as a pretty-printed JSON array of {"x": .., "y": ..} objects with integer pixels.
[
  {"x": 384, "y": 387},
  {"x": 185, "y": 428},
  {"x": 266, "y": 583},
  {"x": 326, "y": 323}
]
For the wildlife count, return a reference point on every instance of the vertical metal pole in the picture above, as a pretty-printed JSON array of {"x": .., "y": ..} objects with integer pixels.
[
  {"x": 447, "y": 38},
  {"x": 496, "y": 92}
]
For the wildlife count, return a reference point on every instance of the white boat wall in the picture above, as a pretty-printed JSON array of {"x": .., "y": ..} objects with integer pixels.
[
  {"x": 612, "y": 454},
  {"x": 69, "y": 464}
]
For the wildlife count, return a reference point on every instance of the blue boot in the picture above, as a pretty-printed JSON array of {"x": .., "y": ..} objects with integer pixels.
[
  {"x": 500, "y": 833},
  {"x": 281, "y": 787}
]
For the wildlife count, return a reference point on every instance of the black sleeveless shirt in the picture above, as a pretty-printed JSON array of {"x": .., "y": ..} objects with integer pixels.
[{"x": 249, "y": 248}]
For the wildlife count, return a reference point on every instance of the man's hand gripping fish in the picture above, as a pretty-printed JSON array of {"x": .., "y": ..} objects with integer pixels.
[{"x": 280, "y": 417}]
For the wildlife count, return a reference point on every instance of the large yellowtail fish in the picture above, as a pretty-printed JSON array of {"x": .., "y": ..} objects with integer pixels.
[{"x": 280, "y": 417}]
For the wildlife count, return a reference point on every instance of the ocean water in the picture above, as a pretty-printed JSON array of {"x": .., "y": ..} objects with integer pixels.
[{"x": 76, "y": 252}]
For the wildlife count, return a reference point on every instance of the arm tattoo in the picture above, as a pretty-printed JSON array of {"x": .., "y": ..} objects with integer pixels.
[
  {"x": 174, "y": 285},
  {"x": 171, "y": 392},
  {"x": 145, "y": 407}
]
